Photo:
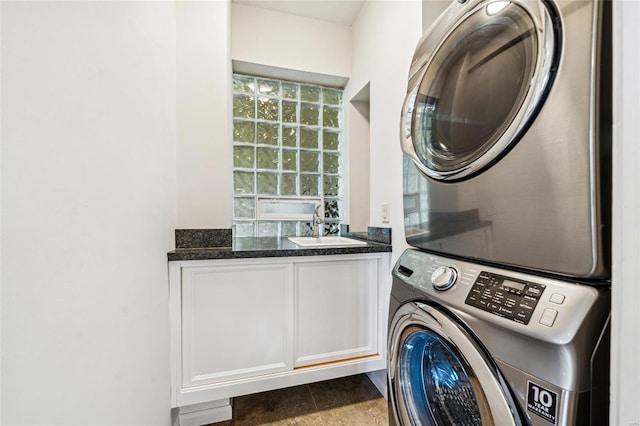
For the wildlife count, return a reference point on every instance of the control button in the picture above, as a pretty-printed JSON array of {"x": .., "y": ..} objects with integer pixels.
[
  {"x": 556, "y": 298},
  {"x": 511, "y": 302},
  {"x": 548, "y": 317},
  {"x": 444, "y": 277},
  {"x": 528, "y": 303},
  {"x": 506, "y": 311},
  {"x": 534, "y": 291}
]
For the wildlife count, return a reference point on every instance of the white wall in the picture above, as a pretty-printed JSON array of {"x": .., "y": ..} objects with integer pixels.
[
  {"x": 384, "y": 38},
  {"x": 625, "y": 335},
  {"x": 88, "y": 188},
  {"x": 357, "y": 112},
  {"x": 204, "y": 153},
  {"x": 431, "y": 10},
  {"x": 282, "y": 40}
]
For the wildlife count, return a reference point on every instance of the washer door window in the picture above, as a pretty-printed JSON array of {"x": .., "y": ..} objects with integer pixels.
[
  {"x": 439, "y": 375},
  {"x": 436, "y": 382},
  {"x": 480, "y": 89}
]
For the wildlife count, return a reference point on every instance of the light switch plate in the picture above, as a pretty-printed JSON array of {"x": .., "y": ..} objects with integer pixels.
[{"x": 385, "y": 213}]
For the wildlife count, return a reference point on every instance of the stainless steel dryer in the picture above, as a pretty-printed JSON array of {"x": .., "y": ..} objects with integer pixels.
[
  {"x": 506, "y": 135},
  {"x": 478, "y": 345}
]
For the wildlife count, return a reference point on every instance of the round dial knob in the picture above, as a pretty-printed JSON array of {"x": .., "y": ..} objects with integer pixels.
[{"x": 444, "y": 277}]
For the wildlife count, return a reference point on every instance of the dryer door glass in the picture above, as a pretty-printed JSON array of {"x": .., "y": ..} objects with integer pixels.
[
  {"x": 436, "y": 383},
  {"x": 479, "y": 90}
]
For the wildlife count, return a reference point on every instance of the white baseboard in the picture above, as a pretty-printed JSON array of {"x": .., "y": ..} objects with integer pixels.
[
  {"x": 205, "y": 413},
  {"x": 379, "y": 380}
]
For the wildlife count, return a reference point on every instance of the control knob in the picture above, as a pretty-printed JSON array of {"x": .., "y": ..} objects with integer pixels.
[{"x": 444, "y": 278}]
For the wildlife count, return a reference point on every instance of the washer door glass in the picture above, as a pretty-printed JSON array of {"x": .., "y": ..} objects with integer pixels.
[
  {"x": 480, "y": 89},
  {"x": 436, "y": 383}
]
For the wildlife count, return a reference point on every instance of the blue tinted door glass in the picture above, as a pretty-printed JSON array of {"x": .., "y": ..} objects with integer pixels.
[{"x": 435, "y": 385}]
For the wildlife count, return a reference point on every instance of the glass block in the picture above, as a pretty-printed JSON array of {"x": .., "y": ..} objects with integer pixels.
[
  {"x": 244, "y": 131},
  {"x": 289, "y": 159},
  {"x": 243, "y": 182},
  {"x": 244, "y": 84},
  {"x": 331, "y": 228},
  {"x": 244, "y": 208},
  {"x": 309, "y": 114},
  {"x": 331, "y": 97},
  {"x": 268, "y": 87},
  {"x": 332, "y": 209},
  {"x": 267, "y": 183},
  {"x": 244, "y": 106},
  {"x": 243, "y": 157},
  {"x": 268, "y": 133},
  {"x": 268, "y": 109},
  {"x": 308, "y": 138},
  {"x": 309, "y": 185},
  {"x": 331, "y": 162},
  {"x": 267, "y": 158},
  {"x": 244, "y": 229},
  {"x": 289, "y": 112},
  {"x": 285, "y": 119},
  {"x": 289, "y": 185},
  {"x": 290, "y": 90},
  {"x": 310, "y": 93},
  {"x": 309, "y": 161},
  {"x": 331, "y": 140},
  {"x": 289, "y": 136},
  {"x": 305, "y": 229},
  {"x": 267, "y": 229},
  {"x": 289, "y": 229},
  {"x": 331, "y": 117},
  {"x": 331, "y": 186}
]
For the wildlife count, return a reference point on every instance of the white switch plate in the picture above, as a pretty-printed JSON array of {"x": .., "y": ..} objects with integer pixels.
[{"x": 385, "y": 212}]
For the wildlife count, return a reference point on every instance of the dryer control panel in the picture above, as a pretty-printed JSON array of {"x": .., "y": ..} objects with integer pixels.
[{"x": 507, "y": 297}]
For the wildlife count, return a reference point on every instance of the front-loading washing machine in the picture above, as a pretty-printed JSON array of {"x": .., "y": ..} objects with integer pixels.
[
  {"x": 473, "y": 344},
  {"x": 506, "y": 131}
]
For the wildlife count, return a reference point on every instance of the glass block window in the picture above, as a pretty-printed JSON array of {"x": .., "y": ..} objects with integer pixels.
[{"x": 287, "y": 144}]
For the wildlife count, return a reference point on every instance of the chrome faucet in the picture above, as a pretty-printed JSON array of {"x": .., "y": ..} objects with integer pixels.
[{"x": 317, "y": 220}]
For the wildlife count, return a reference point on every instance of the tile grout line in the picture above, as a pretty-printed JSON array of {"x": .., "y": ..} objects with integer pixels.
[
  {"x": 315, "y": 405},
  {"x": 312, "y": 398}
]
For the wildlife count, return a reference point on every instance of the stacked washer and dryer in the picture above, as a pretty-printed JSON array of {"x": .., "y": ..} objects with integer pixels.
[{"x": 499, "y": 314}]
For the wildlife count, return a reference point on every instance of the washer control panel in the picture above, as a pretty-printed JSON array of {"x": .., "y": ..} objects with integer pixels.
[{"x": 507, "y": 297}]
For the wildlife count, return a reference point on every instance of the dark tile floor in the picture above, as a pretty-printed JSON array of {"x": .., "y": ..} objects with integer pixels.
[{"x": 352, "y": 401}]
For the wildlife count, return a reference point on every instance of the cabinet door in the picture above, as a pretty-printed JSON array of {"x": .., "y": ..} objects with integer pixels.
[
  {"x": 236, "y": 322},
  {"x": 336, "y": 310}
]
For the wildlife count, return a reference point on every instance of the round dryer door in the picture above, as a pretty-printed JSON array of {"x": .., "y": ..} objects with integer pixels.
[
  {"x": 439, "y": 375},
  {"x": 477, "y": 90}
]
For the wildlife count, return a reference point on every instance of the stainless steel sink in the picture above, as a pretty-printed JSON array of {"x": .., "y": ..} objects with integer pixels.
[{"x": 326, "y": 242}]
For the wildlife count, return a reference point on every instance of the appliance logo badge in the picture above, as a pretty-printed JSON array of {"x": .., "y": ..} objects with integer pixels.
[{"x": 542, "y": 402}]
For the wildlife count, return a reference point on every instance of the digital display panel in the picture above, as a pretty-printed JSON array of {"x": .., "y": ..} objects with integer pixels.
[{"x": 514, "y": 285}]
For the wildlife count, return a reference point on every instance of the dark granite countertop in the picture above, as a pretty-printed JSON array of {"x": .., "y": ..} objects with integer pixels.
[{"x": 217, "y": 244}]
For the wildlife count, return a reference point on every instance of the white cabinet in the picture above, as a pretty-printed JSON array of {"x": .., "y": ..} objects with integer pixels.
[
  {"x": 248, "y": 325},
  {"x": 335, "y": 310},
  {"x": 236, "y": 322}
]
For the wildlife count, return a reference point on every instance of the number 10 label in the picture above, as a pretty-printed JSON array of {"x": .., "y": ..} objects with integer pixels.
[{"x": 542, "y": 402}]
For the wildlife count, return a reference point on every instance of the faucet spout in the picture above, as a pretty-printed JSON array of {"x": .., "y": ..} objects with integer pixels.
[{"x": 317, "y": 220}]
